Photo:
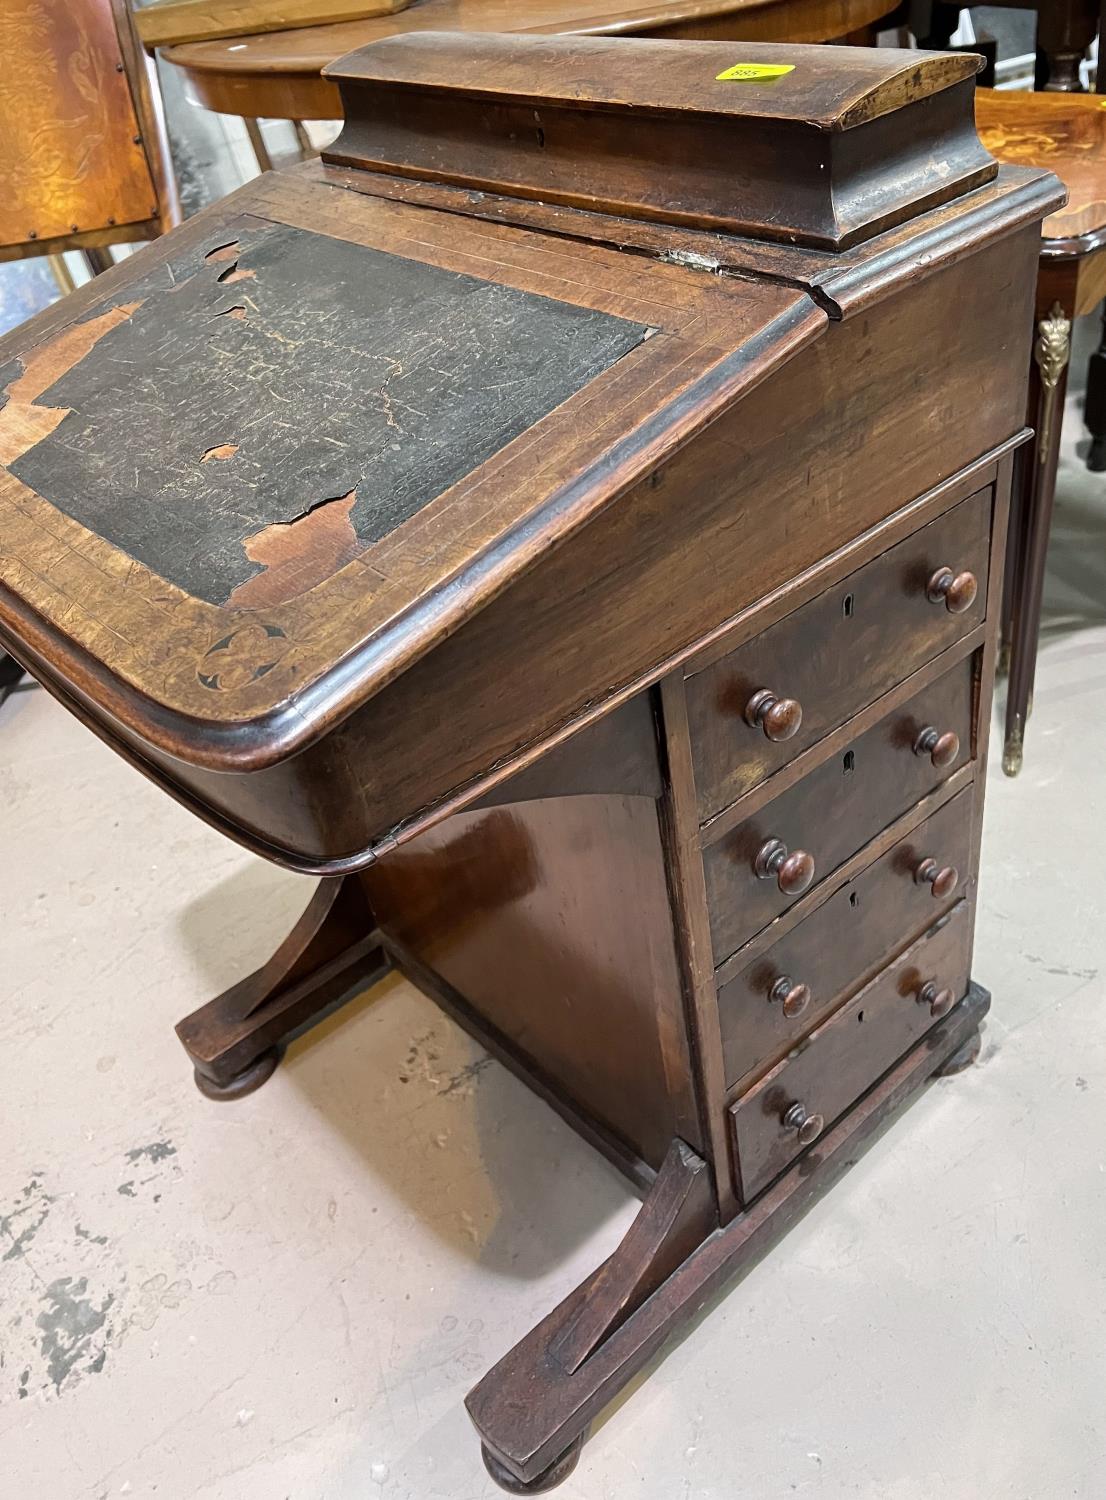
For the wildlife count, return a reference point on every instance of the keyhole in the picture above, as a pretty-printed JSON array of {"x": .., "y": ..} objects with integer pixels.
[
  {"x": 847, "y": 606},
  {"x": 854, "y": 899},
  {"x": 859, "y": 1016},
  {"x": 541, "y": 136},
  {"x": 848, "y": 763}
]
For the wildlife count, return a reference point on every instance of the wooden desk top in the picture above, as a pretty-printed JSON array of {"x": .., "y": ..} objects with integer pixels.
[
  {"x": 272, "y": 464},
  {"x": 278, "y": 75},
  {"x": 1066, "y": 133},
  {"x": 257, "y": 472}
]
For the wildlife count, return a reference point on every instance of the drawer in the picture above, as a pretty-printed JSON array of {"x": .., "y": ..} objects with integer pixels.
[
  {"x": 788, "y": 989},
  {"x": 833, "y": 811},
  {"x": 835, "y": 655},
  {"x": 805, "y": 1093}
]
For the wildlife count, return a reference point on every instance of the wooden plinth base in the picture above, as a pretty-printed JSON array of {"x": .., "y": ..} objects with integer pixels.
[
  {"x": 236, "y": 1040},
  {"x": 533, "y": 1409}
]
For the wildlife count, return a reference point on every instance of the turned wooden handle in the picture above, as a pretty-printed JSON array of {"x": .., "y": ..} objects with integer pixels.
[
  {"x": 794, "y": 998},
  {"x": 791, "y": 872},
  {"x": 942, "y": 749},
  {"x": 942, "y": 879},
  {"x": 807, "y": 1127},
  {"x": 956, "y": 591},
  {"x": 940, "y": 1001},
  {"x": 778, "y": 717}
]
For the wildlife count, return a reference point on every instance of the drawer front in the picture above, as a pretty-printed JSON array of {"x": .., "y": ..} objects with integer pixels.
[
  {"x": 835, "y": 655},
  {"x": 840, "y": 1061},
  {"x": 835, "y": 810},
  {"x": 789, "y": 989}
]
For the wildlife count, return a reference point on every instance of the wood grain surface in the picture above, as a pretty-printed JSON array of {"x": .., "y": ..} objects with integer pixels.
[
  {"x": 72, "y": 152},
  {"x": 280, "y": 74},
  {"x": 1065, "y": 133}
]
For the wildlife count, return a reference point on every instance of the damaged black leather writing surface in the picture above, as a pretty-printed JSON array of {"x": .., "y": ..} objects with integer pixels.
[{"x": 287, "y": 369}]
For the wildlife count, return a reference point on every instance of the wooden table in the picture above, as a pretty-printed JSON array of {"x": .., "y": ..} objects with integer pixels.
[
  {"x": 279, "y": 75},
  {"x": 1067, "y": 134}
]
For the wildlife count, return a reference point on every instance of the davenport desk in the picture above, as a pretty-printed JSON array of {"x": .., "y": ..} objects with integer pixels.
[{"x": 568, "y": 519}]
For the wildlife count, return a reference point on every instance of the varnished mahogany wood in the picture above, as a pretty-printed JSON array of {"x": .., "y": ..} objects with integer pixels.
[
  {"x": 169, "y": 23},
  {"x": 333, "y": 951},
  {"x": 457, "y": 657},
  {"x": 679, "y": 1213},
  {"x": 528, "y": 1412},
  {"x": 839, "y": 1060},
  {"x": 837, "y": 947},
  {"x": 552, "y": 920},
  {"x": 466, "y": 112},
  {"x": 281, "y": 75},
  {"x": 833, "y": 811},
  {"x": 836, "y": 654}
]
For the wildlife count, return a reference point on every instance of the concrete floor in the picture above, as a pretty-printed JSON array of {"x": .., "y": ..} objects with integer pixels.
[{"x": 287, "y": 1298}]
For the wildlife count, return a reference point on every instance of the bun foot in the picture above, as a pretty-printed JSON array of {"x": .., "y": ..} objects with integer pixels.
[
  {"x": 548, "y": 1479},
  {"x": 961, "y": 1059},
  {"x": 1096, "y": 456},
  {"x": 251, "y": 1078}
]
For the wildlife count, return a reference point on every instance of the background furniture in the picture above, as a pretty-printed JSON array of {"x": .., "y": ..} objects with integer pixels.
[
  {"x": 279, "y": 75},
  {"x": 1067, "y": 134},
  {"x": 597, "y": 589},
  {"x": 83, "y": 154}
]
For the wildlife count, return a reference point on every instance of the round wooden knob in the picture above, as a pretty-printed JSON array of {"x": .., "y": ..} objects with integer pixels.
[
  {"x": 807, "y": 1127},
  {"x": 942, "y": 749},
  {"x": 940, "y": 1002},
  {"x": 794, "y": 998},
  {"x": 956, "y": 591},
  {"x": 778, "y": 717},
  {"x": 942, "y": 879},
  {"x": 791, "y": 872}
]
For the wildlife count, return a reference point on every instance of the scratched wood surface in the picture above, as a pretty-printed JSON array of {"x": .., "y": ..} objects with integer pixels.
[
  {"x": 261, "y": 417},
  {"x": 223, "y": 664}
]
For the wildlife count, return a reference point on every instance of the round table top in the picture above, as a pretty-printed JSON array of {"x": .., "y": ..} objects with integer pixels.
[
  {"x": 1066, "y": 133},
  {"x": 278, "y": 75}
]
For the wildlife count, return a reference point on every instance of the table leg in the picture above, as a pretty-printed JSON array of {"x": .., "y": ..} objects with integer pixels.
[
  {"x": 1064, "y": 35},
  {"x": 1094, "y": 406},
  {"x": 98, "y": 260},
  {"x": 534, "y": 1408},
  {"x": 1051, "y": 354},
  {"x": 257, "y": 141},
  {"x": 236, "y": 1040},
  {"x": 1015, "y": 545}
]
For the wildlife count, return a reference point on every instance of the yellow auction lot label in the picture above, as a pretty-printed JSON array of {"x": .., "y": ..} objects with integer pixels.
[{"x": 754, "y": 72}]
